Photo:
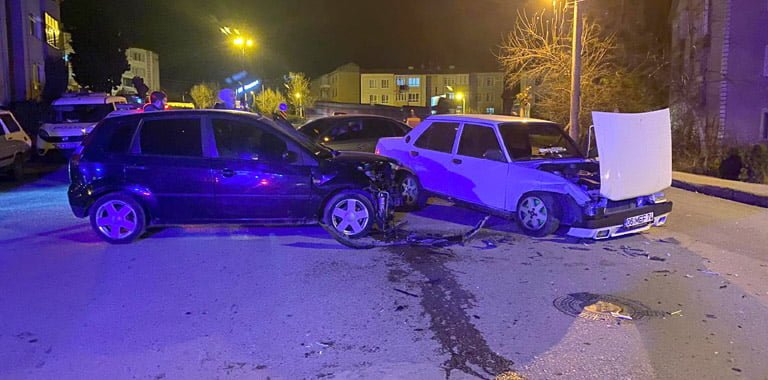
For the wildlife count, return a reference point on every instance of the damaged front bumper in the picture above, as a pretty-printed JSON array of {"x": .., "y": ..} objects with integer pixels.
[{"x": 621, "y": 223}]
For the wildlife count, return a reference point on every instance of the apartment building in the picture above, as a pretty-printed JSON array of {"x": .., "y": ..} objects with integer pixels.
[{"x": 341, "y": 85}]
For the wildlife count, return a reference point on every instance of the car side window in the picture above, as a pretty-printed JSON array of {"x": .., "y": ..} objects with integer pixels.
[
  {"x": 439, "y": 137},
  {"x": 10, "y": 123},
  {"x": 375, "y": 128},
  {"x": 171, "y": 137},
  {"x": 346, "y": 130},
  {"x": 480, "y": 142},
  {"x": 247, "y": 141}
]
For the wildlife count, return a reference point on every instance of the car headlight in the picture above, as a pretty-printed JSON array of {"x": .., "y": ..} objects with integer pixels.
[{"x": 42, "y": 133}]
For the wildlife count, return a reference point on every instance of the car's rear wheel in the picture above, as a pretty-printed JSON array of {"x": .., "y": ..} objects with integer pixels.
[
  {"x": 118, "y": 218},
  {"x": 412, "y": 193},
  {"x": 538, "y": 214},
  {"x": 17, "y": 168},
  {"x": 349, "y": 214}
]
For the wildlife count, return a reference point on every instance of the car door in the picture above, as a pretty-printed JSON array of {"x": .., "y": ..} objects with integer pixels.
[
  {"x": 430, "y": 157},
  {"x": 260, "y": 174},
  {"x": 480, "y": 167},
  {"x": 346, "y": 134},
  {"x": 167, "y": 160}
]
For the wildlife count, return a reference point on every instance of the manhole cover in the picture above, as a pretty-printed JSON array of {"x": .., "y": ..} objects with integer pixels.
[{"x": 603, "y": 306}]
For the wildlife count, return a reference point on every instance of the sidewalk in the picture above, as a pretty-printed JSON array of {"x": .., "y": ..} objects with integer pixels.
[{"x": 749, "y": 193}]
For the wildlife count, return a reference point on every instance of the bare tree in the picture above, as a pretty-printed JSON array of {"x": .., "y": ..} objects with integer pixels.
[{"x": 538, "y": 51}]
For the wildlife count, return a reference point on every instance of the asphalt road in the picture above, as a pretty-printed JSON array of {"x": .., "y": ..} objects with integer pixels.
[{"x": 291, "y": 303}]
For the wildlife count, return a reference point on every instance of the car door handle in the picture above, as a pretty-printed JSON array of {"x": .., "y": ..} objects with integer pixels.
[
  {"x": 227, "y": 172},
  {"x": 456, "y": 161},
  {"x": 414, "y": 153}
]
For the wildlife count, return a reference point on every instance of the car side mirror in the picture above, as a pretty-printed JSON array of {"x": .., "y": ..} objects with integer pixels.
[
  {"x": 495, "y": 155},
  {"x": 290, "y": 157}
]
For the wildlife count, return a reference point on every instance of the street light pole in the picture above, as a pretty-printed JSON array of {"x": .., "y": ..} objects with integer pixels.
[{"x": 576, "y": 72}]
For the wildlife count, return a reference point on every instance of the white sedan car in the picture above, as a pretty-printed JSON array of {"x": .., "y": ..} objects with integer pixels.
[{"x": 525, "y": 169}]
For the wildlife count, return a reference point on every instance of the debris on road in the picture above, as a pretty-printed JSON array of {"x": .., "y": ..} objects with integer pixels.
[
  {"x": 656, "y": 258},
  {"x": 676, "y": 312},
  {"x": 406, "y": 292},
  {"x": 709, "y": 272},
  {"x": 397, "y": 238}
]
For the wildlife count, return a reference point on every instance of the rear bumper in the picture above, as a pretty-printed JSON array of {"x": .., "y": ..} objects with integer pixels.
[{"x": 609, "y": 226}]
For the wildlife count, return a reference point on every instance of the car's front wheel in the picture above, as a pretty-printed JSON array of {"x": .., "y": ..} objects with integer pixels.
[
  {"x": 117, "y": 218},
  {"x": 349, "y": 214},
  {"x": 412, "y": 193},
  {"x": 538, "y": 214}
]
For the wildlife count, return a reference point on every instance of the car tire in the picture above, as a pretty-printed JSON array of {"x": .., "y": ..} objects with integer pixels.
[
  {"x": 412, "y": 193},
  {"x": 349, "y": 215},
  {"x": 16, "y": 170},
  {"x": 538, "y": 214},
  {"x": 117, "y": 218}
]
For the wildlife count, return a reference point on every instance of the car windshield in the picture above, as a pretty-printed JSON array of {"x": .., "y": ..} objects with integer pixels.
[
  {"x": 318, "y": 150},
  {"x": 315, "y": 128},
  {"x": 536, "y": 141},
  {"x": 79, "y": 113}
]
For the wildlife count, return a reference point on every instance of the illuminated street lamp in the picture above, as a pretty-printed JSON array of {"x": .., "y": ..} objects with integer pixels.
[
  {"x": 243, "y": 43},
  {"x": 298, "y": 100},
  {"x": 460, "y": 96}
]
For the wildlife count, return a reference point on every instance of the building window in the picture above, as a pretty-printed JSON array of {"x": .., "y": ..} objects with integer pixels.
[
  {"x": 490, "y": 110},
  {"x": 764, "y": 127},
  {"x": 137, "y": 56},
  {"x": 127, "y": 82},
  {"x": 372, "y": 99},
  {"x": 765, "y": 62},
  {"x": 400, "y": 82},
  {"x": 487, "y": 97},
  {"x": 401, "y": 97},
  {"x": 413, "y": 97},
  {"x": 385, "y": 99},
  {"x": 371, "y": 83},
  {"x": 385, "y": 83},
  {"x": 489, "y": 82},
  {"x": 414, "y": 82},
  {"x": 52, "y": 31},
  {"x": 34, "y": 28},
  {"x": 37, "y": 74}
]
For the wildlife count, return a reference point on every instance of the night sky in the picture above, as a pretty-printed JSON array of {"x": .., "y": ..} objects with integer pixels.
[{"x": 313, "y": 36}]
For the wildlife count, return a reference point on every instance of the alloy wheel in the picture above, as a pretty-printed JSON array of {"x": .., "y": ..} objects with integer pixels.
[
  {"x": 533, "y": 213},
  {"x": 116, "y": 219},
  {"x": 350, "y": 217}
]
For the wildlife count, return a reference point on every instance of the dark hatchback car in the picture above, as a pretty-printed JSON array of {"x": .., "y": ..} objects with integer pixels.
[
  {"x": 216, "y": 166},
  {"x": 353, "y": 132}
]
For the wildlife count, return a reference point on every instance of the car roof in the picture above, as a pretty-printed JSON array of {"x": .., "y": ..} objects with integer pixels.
[
  {"x": 88, "y": 99},
  {"x": 353, "y": 115},
  {"x": 195, "y": 112},
  {"x": 495, "y": 119}
]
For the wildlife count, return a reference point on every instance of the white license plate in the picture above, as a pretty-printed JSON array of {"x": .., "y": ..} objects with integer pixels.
[
  {"x": 68, "y": 145},
  {"x": 638, "y": 220}
]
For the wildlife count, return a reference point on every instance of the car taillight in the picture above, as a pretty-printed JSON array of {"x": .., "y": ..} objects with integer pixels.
[{"x": 378, "y": 151}]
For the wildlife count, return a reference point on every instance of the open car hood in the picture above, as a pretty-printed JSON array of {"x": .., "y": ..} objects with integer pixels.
[{"x": 635, "y": 153}]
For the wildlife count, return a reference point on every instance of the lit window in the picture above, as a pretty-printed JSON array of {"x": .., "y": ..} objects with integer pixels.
[
  {"x": 414, "y": 82},
  {"x": 52, "y": 31},
  {"x": 490, "y": 110},
  {"x": 400, "y": 82}
]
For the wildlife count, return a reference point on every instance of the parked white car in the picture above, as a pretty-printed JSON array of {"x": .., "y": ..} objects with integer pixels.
[
  {"x": 525, "y": 169},
  {"x": 15, "y": 145},
  {"x": 71, "y": 118}
]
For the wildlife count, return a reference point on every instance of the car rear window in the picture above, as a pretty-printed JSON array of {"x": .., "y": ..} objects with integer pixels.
[
  {"x": 113, "y": 135},
  {"x": 439, "y": 137},
  {"x": 10, "y": 123},
  {"x": 171, "y": 137}
]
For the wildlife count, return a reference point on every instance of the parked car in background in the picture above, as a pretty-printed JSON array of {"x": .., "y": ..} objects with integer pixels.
[
  {"x": 220, "y": 166},
  {"x": 71, "y": 118},
  {"x": 525, "y": 169},
  {"x": 353, "y": 132},
  {"x": 15, "y": 145}
]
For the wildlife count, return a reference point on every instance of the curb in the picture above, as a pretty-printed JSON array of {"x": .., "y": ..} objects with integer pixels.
[{"x": 723, "y": 192}]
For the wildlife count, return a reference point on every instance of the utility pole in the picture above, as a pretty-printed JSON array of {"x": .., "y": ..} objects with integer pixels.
[{"x": 576, "y": 71}]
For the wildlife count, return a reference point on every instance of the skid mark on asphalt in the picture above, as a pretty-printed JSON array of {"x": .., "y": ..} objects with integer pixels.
[{"x": 446, "y": 302}]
